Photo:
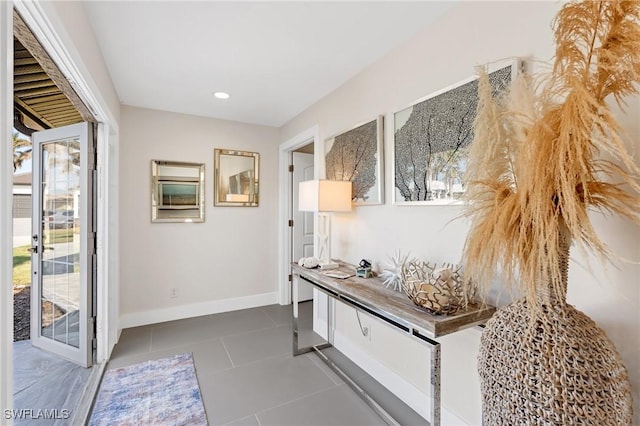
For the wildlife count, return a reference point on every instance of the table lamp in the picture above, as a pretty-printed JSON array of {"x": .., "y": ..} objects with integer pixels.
[{"x": 324, "y": 197}]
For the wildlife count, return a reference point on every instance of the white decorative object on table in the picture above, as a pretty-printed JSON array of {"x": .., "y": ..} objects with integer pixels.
[
  {"x": 392, "y": 276},
  {"x": 309, "y": 262}
]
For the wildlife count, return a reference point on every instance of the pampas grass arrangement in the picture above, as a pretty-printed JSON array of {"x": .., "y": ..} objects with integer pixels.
[
  {"x": 538, "y": 164},
  {"x": 545, "y": 152}
]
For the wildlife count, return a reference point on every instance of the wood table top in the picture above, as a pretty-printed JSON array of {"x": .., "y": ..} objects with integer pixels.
[{"x": 395, "y": 307}]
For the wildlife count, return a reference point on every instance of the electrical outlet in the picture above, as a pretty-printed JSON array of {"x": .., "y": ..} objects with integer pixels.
[{"x": 173, "y": 292}]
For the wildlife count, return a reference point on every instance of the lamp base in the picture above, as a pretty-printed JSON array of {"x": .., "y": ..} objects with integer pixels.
[{"x": 328, "y": 264}]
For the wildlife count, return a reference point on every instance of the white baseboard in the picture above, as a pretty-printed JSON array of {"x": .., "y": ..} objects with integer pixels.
[
  {"x": 136, "y": 319},
  {"x": 404, "y": 390}
]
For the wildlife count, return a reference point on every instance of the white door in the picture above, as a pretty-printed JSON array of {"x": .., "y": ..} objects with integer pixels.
[
  {"x": 302, "y": 221},
  {"x": 63, "y": 242},
  {"x": 302, "y": 243}
]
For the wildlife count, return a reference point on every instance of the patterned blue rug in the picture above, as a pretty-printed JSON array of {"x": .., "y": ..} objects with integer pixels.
[{"x": 160, "y": 392}]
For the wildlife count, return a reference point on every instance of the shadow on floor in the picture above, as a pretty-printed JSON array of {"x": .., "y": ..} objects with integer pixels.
[{"x": 42, "y": 381}]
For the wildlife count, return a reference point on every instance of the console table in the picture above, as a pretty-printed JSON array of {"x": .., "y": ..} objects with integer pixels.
[{"x": 394, "y": 308}]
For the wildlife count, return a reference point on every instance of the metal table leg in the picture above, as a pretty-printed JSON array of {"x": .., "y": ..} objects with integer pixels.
[
  {"x": 435, "y": 384},
  {"x": 434, "y": 348},
  {"x": 297, "y": 350}
]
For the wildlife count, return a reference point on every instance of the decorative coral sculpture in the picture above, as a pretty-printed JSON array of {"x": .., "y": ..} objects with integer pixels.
[
  {"x": 438, "y": 290},
  {"x": 392, "y": 274}
]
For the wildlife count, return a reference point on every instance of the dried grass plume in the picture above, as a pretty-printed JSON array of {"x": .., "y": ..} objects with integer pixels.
[{"x": 546, "y": 152}]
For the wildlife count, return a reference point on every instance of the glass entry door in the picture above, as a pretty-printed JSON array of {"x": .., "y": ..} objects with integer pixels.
[{"x": 63, "y": 242}]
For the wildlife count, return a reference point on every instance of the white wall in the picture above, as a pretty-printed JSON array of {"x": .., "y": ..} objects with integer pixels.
[
  {"x": 229, "y": 261},
  {"x": 472, "y": 33}
]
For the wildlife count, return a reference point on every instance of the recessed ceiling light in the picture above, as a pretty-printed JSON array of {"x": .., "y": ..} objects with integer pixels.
[{"x": 221, "y": 95}]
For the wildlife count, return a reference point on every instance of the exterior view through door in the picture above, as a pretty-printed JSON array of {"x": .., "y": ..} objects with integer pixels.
[{"x": 63, "y": 251}]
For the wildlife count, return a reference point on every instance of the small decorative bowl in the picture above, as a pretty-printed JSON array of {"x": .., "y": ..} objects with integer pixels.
[{"x": 440, "y": 291}]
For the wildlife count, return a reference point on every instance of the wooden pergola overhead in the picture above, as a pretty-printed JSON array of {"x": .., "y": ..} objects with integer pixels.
[{"x": 40, "y": 90}]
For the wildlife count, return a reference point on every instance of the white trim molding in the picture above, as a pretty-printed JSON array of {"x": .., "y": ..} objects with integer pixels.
[
  {"x": 404, "y": 390},
  {"x": 107, "y": 315},
  {"x": 156, "y": 316},
  {"x": 284, "y": 184},
  {"x": 6, "y": 203}
]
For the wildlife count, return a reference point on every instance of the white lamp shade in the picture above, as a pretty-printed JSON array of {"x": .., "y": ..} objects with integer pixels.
[{"x": 324, "y": 196}]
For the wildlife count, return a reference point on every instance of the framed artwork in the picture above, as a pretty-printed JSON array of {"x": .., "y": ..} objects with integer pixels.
[
  {"x": 432, "y": 137},
  {"x": 175, "y": 195},
  {"x": 177, "y": 191},
  {"x": 357, "y": 156}
]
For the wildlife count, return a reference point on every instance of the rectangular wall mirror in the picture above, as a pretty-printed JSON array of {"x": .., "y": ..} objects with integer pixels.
[
  {"x": 177, "y": 191},
  {"x": 236, "y": 178}
]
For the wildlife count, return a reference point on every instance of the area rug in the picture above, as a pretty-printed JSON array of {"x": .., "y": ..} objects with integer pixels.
[{"x": 160, "y": 392}]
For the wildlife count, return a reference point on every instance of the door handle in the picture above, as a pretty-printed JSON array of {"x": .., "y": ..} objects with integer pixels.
[{"x": 34, "y": 249}]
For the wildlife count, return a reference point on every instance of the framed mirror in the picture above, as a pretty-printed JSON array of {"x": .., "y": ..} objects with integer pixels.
[
  {"x": 177, "y": 191},
  {"x": 236, "y": 181}
]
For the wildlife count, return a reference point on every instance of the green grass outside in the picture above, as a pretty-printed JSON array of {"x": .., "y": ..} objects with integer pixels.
[
  {"x": 21, "y": 266},
  {"x": 59, "y": 236},
  {"x": 22, "y": 256}
]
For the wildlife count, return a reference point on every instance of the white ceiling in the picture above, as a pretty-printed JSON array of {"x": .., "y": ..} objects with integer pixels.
[{"x": 274, "y": 58}]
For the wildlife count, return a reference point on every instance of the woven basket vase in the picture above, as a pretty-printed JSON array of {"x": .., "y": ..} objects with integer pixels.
[{"x": 563, "y": 370}]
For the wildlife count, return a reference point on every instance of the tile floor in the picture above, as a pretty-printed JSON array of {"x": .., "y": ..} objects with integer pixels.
[{"x": 246, "y": 371}]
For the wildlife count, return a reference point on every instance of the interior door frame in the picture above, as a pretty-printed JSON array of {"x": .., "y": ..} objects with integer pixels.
[
  {"x": 285, "y": 181},
  {"x": 84, "y": 353},
  {"x": 70, "y": 62},
  {"x": 302, "y": 221},
  {"x": 320, "y": 306}
]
